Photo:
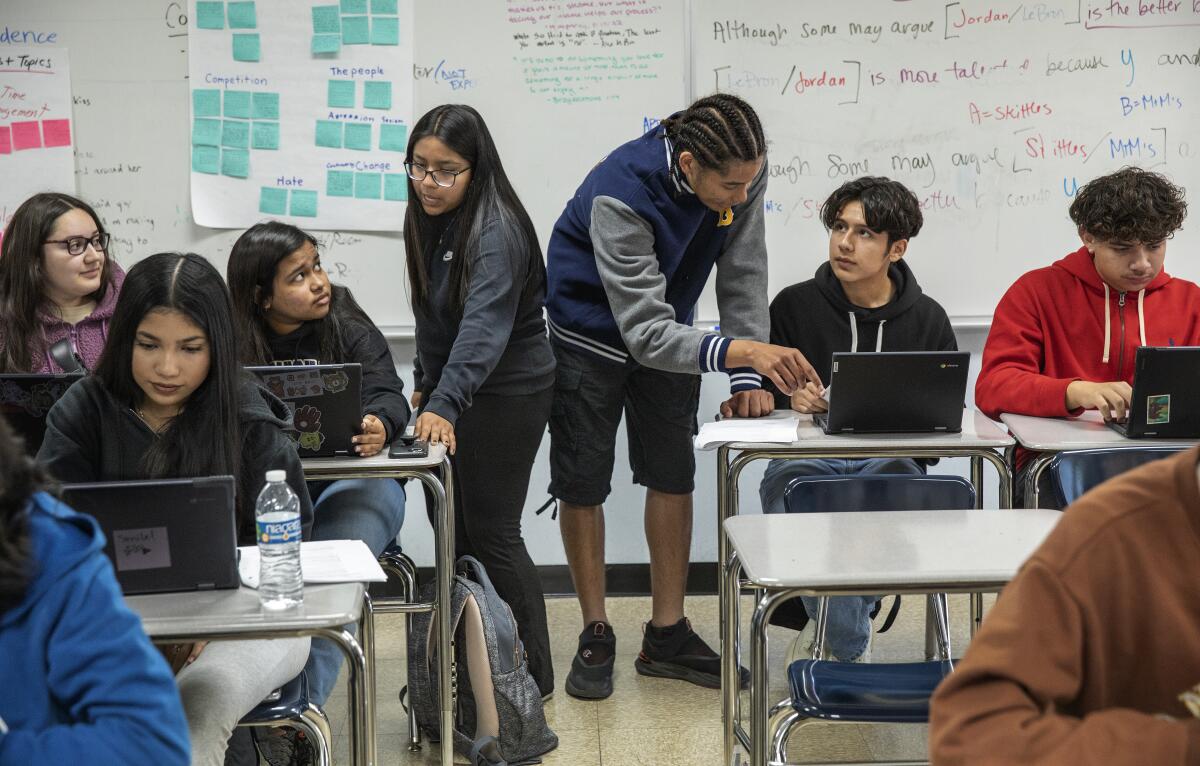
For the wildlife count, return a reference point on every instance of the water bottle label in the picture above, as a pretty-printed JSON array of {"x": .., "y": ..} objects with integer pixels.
[{"x": 279, "y": 531}]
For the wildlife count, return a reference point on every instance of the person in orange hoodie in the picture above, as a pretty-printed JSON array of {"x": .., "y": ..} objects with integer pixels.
[
  {"x": 1085, "y": 656},
  {"x": 1063, "y": 337}
]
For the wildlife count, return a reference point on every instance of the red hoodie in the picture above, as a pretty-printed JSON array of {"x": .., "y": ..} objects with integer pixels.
[{"x": 1063, "y": 323}]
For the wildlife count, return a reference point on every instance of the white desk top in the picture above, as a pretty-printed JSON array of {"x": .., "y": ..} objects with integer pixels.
[
  {"x": 918, "y": 550},
  {"x": 1087, "y": 431},
  {"x": 200, "y": 613},
  {"x": 377, "y": 464},
  {"x": 978, "y": 431}
]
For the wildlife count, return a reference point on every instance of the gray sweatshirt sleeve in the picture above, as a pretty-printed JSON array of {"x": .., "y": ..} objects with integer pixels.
[
  {"x": 493, "y": 297},
  {"x": 636, "y": 290},
  {"x": 742, "y": 279}
]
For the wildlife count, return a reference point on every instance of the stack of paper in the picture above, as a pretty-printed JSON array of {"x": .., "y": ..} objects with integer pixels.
[
  {"x": 321, "y": 562},
  {"x": 774, "y": 430}
]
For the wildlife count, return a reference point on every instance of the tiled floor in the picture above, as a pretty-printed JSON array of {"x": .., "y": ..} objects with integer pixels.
[{"x": 652, "y": 721}]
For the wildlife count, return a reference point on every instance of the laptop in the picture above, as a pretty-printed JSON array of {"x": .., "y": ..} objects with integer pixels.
[
  {"x": 1166, "y": 394},
  {"x": 25, "y": 398},
  {"x": 165, "y": 535},
  {"x": 325, "y": 401},
  {"x": 896, "y": 392}
]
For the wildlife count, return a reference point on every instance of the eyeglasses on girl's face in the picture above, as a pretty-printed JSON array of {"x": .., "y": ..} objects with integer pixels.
[
  {"x": 443, "y": 178},
  {"x": 99, "y": 242}
]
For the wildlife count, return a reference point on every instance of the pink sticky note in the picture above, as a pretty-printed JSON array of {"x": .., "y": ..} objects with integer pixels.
[
  {"x": 26, "y": 135},
  {"x": 5, "y": 140},
  {"x": 56, "y": 132}
]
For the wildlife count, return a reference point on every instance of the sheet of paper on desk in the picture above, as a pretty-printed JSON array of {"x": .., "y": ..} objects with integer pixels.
[
  {"x": 323, "y": 561},
  {"x": 769, "y": 430}
]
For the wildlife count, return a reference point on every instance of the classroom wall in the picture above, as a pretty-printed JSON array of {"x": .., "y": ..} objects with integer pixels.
[{"x": 625, "y": 542}]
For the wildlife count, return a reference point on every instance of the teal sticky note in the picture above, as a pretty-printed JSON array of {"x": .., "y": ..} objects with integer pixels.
[
  {"x": 206, "y": 103},
  {"x": 206, "y": 159},
  {"x": 304, "y": 203},
  {"x": 326, "y": 19},
  {"x": 210, "y": 15},
  {"x": 358, "y": 136},
  {"x": 339, "y": 183},
  {"x": 329, "y": 133},
  {"x": 354, "y": 6},
  {"x": 265, "y": 135},
  {"x": 235, "y": 162},
  {"x": 246, "y": 47},
  {"x": 341, "y": 93},
  {"x": 356, "y": 30},
  {"x": 237, "y": 104},
  {"x": 272, "y": 201},
  {"x": 242, "y": 15},
  {"x": 377, "y": 95},
  {"x": 235, "y": 134},
  {"x": 265, "y": 106},
  {"x": 206, "y": 132},
  {"x": 395, "y": 187},
  {"x": 393, "y": 138},
  {"x": 366, "y": 185},
  {"x": 326, "y": 43},
  {"x": 384, "y": 6},
  {"x": 385, "y": 30}
]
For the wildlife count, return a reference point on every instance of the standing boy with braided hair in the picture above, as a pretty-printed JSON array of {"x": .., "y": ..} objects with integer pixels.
[{"x": 626, "y": 263}]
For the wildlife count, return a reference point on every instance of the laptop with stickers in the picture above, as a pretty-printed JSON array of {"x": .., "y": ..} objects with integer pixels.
[
  {"x": 1166, "y": 394},
  {"x": 25, "y": 398},
  {"x": 165, "y": 535},
  {"x": 896, "y": 392},
  {"x": 325, "y": 402}
]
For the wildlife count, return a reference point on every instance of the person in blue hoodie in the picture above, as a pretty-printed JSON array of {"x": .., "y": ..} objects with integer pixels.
[
  {"x": 627, "y": 261},
  {"x": 863, "y": 298},
  {"x": 79, "y": 680}
]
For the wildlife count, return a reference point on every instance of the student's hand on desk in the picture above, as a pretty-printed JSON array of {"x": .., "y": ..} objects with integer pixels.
[
  {"x": 1110, "y": 398},
  {"x": 786, "y": 367},
  {"x": 808, "y": 399},
  {"x": 748, "y": 404},
  {"x": 435, "y": 429},
  {"x": 373, "y": 437}
]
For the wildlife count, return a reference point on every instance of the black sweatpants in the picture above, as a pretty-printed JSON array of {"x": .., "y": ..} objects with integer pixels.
[{"x": 498, "y": 438}]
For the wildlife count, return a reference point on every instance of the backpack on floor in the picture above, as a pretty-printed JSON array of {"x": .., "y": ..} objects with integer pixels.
[{"x": 501, "y": 726}]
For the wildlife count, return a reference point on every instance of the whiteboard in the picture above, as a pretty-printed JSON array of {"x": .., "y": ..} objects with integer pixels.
[
  {"x": 560, "y": 83},
  {"x": 993, "y": 113}
]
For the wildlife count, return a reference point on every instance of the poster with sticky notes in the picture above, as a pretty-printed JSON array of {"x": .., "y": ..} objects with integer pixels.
[
  {"x": 37, "y": 131},
  {"x": 297, "y": 112}
]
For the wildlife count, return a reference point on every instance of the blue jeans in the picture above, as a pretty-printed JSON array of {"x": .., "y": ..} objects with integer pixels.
[
  {"x": 371, "y": 510},
  {"x": 848, "y": 624}
]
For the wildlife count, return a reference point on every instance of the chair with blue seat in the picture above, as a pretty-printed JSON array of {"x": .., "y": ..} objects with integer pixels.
[
  {"x": 1076, "y": 472},
  {"x": 867, "y": 693},
  {"x": 289, "y": 707}
]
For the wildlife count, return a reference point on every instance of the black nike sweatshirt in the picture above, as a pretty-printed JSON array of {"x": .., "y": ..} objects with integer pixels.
[{"x": 818, "y": 319}]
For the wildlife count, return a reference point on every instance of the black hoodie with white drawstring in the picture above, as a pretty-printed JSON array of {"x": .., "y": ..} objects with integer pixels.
[{"x": 816, "y": 318}]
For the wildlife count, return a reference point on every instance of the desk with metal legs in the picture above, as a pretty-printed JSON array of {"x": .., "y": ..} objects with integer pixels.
[
  {"x": 980, "y": 440},
  {"x": 1047, "y": 437},
  {"x": 897, "y": 552},
  {"x": 426, "y": 471}
]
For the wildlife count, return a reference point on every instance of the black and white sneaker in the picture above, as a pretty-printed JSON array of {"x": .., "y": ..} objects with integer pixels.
[{"x": 592, "y": 669}]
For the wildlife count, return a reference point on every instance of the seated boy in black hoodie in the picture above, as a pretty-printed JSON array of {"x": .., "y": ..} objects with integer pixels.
[{"x": 864, "y": 298}]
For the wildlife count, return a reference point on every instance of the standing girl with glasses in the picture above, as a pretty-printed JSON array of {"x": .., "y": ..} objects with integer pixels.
[
  {"x": 485, "y": 372},
  {"x": 56, "y": 283}
]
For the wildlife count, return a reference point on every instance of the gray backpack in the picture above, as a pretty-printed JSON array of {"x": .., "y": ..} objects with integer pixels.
[{"x": 499, "y": 719}]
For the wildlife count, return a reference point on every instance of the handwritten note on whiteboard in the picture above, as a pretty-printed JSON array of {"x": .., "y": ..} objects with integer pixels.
[{"x": 36, "y": 132}]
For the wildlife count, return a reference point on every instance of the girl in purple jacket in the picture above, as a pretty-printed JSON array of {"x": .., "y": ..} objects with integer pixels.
[{"x": 56, "y": 282}]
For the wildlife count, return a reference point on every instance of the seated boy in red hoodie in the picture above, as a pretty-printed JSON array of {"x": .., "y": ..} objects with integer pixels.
[{"x": 1063, "y": 337}]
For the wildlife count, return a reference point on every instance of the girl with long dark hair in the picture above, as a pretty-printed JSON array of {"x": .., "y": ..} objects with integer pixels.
[
  {"x": 289, "y": 313},
  {"x": 485, "y": 370},
  {"x": 56, "y": 283},
  {"x": 169, "y": 399}
]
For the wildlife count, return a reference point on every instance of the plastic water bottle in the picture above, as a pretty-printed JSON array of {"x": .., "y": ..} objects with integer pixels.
[{"x": 277, "y": 523}]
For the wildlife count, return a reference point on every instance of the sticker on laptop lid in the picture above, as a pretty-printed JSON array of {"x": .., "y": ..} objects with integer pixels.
[
  {"x": 146, "y": 548},
  {"x": 1158, "y": 409},
  {"x": 294, "y": 384}
]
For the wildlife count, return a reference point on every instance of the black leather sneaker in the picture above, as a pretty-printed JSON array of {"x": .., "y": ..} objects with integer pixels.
[
  {"x": 592, "y": 669},
  {"x": 678, "y": 652}
]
